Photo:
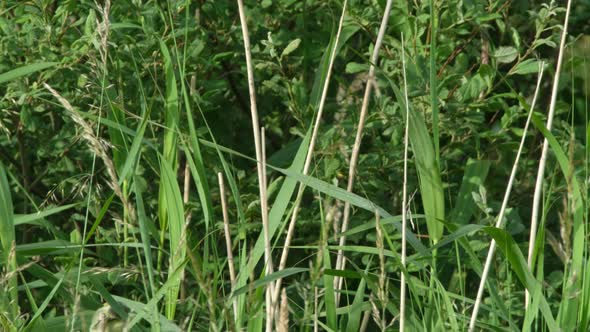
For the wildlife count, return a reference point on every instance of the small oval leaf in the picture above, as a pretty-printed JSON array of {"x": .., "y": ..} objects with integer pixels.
[
  {"x": 505, "y": 54},
  {"x": 291, "y": 47}
]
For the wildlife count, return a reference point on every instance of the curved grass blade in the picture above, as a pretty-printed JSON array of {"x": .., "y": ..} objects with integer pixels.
[
  {"x": 431, "y": 188},
  {"x": 9, "y": 295},
  {"x": 172, "y": 199},
  {"x": 25, "y": 70}
]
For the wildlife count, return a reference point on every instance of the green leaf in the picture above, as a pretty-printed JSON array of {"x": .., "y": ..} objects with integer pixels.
[
  {"x": 293, "y": 45},
  {"x": 505, "y": 54},
  {"x": 354, "y": 67},
  {"x": 526, "y": 67}
]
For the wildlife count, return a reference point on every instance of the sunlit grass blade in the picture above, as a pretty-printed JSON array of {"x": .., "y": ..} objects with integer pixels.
[
  {"x": 431, "y": 188},
  {"x": 20, "y": 219},
  {"x": 172, "y": 200},
  {"x": 142, "y": 220},
  {"x": 169, "y": 149},
  {"x": 25, "y": 70},
  {"x": 172, "y": 114}
]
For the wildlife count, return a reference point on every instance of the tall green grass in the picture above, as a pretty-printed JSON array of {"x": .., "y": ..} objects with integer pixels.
[{"x": 151, "y": 244}]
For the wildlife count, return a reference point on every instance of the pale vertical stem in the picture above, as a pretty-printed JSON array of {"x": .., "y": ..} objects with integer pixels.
[
  {"x": 291, "y": 228},
  {"x": 267, "y": 247},
  {"x": 402, "y": 296},
  {"x": 340, "y": 262},
  {"x": 315, "y": 303},
  {"x": 185, "y": 197},
  {"x": 365, "y": 321},
  {"x": 255, "y": 124},
  {"x": 500, "y": 220},
  {"x": 228, "y": 242},
  {"x": 543, "y": 159},
  {"x": 267, "y": 252}
]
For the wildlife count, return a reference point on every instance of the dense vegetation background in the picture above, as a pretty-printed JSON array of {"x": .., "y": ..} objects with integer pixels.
[{"x": 115, "y": 118}]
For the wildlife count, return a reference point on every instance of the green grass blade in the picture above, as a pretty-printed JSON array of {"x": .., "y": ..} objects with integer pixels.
[
  {"x": 145, "y": 240},
  {"x": 569, "y": 307},
  {"x": 25, "y": 70},
  {"x": 345, "y": 196},
  {"x": 356, "y": 308},
  {"x": 134, "y": 152},
  {"x": 474, "y": 176},
  {"x": 43, "y": 305},
  {"x": 158, "y": 322},
  {"x": 172, "y": 117},
  {"x": 147, "y": 309},
  {"x": 9, "y": 295},
  {"x": 99, "y": 217},
  {"x": 276, "y": 213},
  {"x": 176, "y": 232},
  {"x": 20, "y": 219},
  {"x": 433, "y": 81},
  {"x": 519, "y": 265},
  {"x": 266, "y": 279},
  {"x": 329, "y": 295},
  {"x": 431, "y": 188}
]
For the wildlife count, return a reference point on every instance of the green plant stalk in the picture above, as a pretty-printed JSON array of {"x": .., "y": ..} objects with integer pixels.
[
  {"x": 433, "y": 81},
  {"x": 9, "y": 295}
]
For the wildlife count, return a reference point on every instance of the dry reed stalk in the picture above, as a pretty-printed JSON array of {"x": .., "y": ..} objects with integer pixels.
[
  {"x": 382, "y": 291},
  {"x": 340, "y": 262},
  {"x": 316, "y": 297},
  {"x": 283, "y": 325},
  {"x": 402, "y": 304},
  {"x": 365, "y": 321},
  {"x": 228, "y": 241},
  {"x": 543, "y": 159},
  {"x": 291, "y": 228},
  {"x": 256, "y": 128},
  {"x": 500, "y": 220},
  {"x": 267, "y": 250}
]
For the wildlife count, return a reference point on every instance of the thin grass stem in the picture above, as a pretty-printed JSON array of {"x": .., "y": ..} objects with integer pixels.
[
  {"x": 402, "y": 296},
  {"x": 292, "y": 222},
  {"x": 255, "y": 129},
  {"x": 228, "y": 241},
  {"x": 500, "y": 219},
  {"x": 340, "y": 263},
  {"x": 545, "y": 149}
]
